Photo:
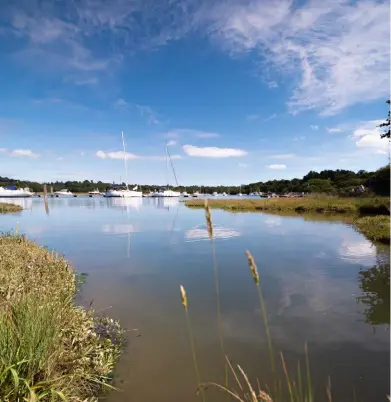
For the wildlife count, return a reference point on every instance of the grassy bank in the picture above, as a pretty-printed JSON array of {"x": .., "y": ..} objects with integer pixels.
[
  {"x": 320, "y": 204},
  {"x": 375, "y": 228},
  {"x": 50, "y": 348},
  {"x": 370, "y": 215},
  {"x": 5, "y": 207}
]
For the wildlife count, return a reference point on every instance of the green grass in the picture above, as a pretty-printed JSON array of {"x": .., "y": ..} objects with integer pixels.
[
  {"x": 319, "y": 204},
  {"x": 51, "y": 349},
  {"x": 5, "y": 207},
  {"x": 375, "y": 228}
]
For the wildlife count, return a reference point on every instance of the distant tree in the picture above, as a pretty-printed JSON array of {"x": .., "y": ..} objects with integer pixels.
[
  {"x": 320, "y": 186},
  {"x": 380, "y": 181},
  {"x": 386, "y": 124}
]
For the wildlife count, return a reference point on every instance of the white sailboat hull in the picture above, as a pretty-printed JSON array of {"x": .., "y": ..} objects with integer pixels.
[
  {"x": 166, "y": 193},
  {"x": 4, "y": 193},
  {"x": 123, "y": 193}
]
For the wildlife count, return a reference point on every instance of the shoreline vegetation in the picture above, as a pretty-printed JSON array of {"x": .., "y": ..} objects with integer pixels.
[
  {"x": 370, "y": 215},
  {"x": 51, "y": 349},
  {"x": 6, "y": 207}
]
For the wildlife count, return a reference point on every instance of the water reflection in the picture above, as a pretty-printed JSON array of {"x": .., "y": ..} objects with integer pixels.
[
  {"x": 375, "y": 285},
  {"x": 25, "y": 203},
  {"x": 126, "y": 203},
  {"x": 200, "y": 232}
]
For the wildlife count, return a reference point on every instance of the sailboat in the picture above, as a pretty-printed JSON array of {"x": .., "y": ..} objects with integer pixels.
[
  {"x": 168, "y": 192},
  {"x": 121, "y": 192}
]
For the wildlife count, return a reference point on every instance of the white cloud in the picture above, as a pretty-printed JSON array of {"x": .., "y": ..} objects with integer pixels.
[
  {"x": 116, "y": 155},
  {"x": 3, "y": 149},
  {"x": 120, "y": 155},
  {"x": 276, "y": 167},
  {"x": 213, "y": 152},
  {"x": 339, "y": 49},
  {"x": 334, "y": 129},
  {"x": 186, "y": 132},
  {"x": 282, "y": 156},
  {"x": 24, "y": 152},
  {"x": 171, "y": 143},
  {"x": 243, "y": 165},
  {"x": 314, "y": 127},
  {"x": 367, "y": 135}
]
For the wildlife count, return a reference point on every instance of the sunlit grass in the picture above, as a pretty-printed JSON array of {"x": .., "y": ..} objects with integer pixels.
[
  {"x": 375, "y": 228},
  {"x": 320, "y": 204},
  {"x": 7, "y": 207},
  {"x": 50, "y": 349}
]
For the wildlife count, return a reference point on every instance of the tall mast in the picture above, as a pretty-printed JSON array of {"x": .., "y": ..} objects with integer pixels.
[
  {"x": 172, "y": 165},
  {"x": 166, "y": 165},
  {"x": 125, "y": 160}
]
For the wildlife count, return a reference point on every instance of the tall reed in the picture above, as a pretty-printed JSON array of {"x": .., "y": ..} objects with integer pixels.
[
  {"x": 255, "y": 275},
  {"x": 209, "y": 225},
  {"x": 200, "y": 388}
]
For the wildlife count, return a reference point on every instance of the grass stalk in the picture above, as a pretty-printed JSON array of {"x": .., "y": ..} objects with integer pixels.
[
  {"x": 200, "y": 388},
  {"x": 209, "y": 224},
  {"x": 255, "y": 275}
]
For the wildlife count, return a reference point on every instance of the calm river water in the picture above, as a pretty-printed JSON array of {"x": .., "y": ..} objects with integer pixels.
[{"x": 137, "y": 252}]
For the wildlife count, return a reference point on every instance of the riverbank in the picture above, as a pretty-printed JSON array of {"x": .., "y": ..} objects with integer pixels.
[
  {"x": 5, "y": 207},
  {"x": 50, "y": 348},
  {"x": 370, "y": 216},
  {"x": 320, "y": 204}
]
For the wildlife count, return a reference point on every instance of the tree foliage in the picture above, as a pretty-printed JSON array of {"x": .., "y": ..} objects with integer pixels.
[
  {"x": 343, "y": 182},
  {"x": 386, "y": 124}
]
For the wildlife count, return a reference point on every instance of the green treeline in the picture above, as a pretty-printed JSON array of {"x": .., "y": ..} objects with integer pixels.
[{"x": 341, "y": 182}]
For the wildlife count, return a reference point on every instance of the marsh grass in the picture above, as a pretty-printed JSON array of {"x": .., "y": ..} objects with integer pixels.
[
  {"x": 375, "y": 228},
  {"x": 6, "y": 207},
  {"x": 50, "y": 349},
  {"x": 319, "y": 204}
]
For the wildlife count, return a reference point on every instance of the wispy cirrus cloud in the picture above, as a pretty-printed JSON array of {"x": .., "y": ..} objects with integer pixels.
[
  {"x": 315, "y": 42},
  {"x": 332, "y": 50},
  {"x": 213, "y": 152}
]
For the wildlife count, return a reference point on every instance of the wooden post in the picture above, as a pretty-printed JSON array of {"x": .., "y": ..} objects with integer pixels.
[
  {"x": 51, "y": 191},
  {"x": 45, "y": 198}
]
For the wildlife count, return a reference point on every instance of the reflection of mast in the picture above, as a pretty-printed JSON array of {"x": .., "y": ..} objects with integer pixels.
[{"x": 125, "y": 160}]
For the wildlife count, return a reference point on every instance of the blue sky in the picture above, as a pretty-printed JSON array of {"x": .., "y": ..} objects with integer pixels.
[{"x": 242, "y": 90}]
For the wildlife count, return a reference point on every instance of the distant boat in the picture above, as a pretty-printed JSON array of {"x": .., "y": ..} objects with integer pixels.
[
  {"x": 167, "y": 192},
  {"x": 124, "y": 192},
  {"x": 224, "y": 194},
  {"x": 215, "y": 194},
  {"x": 95, "y": 192},
  {"x": 185, "y": 194},
  {"x": 196, "y": 194},
  {"x": 63, "y": 192},
  {"x": 14, "y": 192}
]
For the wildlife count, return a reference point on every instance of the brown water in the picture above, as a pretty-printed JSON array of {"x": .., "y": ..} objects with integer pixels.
[{"x": 323, "y": 284}]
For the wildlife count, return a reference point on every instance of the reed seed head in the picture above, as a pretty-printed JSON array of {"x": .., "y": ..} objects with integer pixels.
[
  {"x": 208, "y": 216},
  {"x": 253, "y": 267},
  {"x": 184, "y": 297}
]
